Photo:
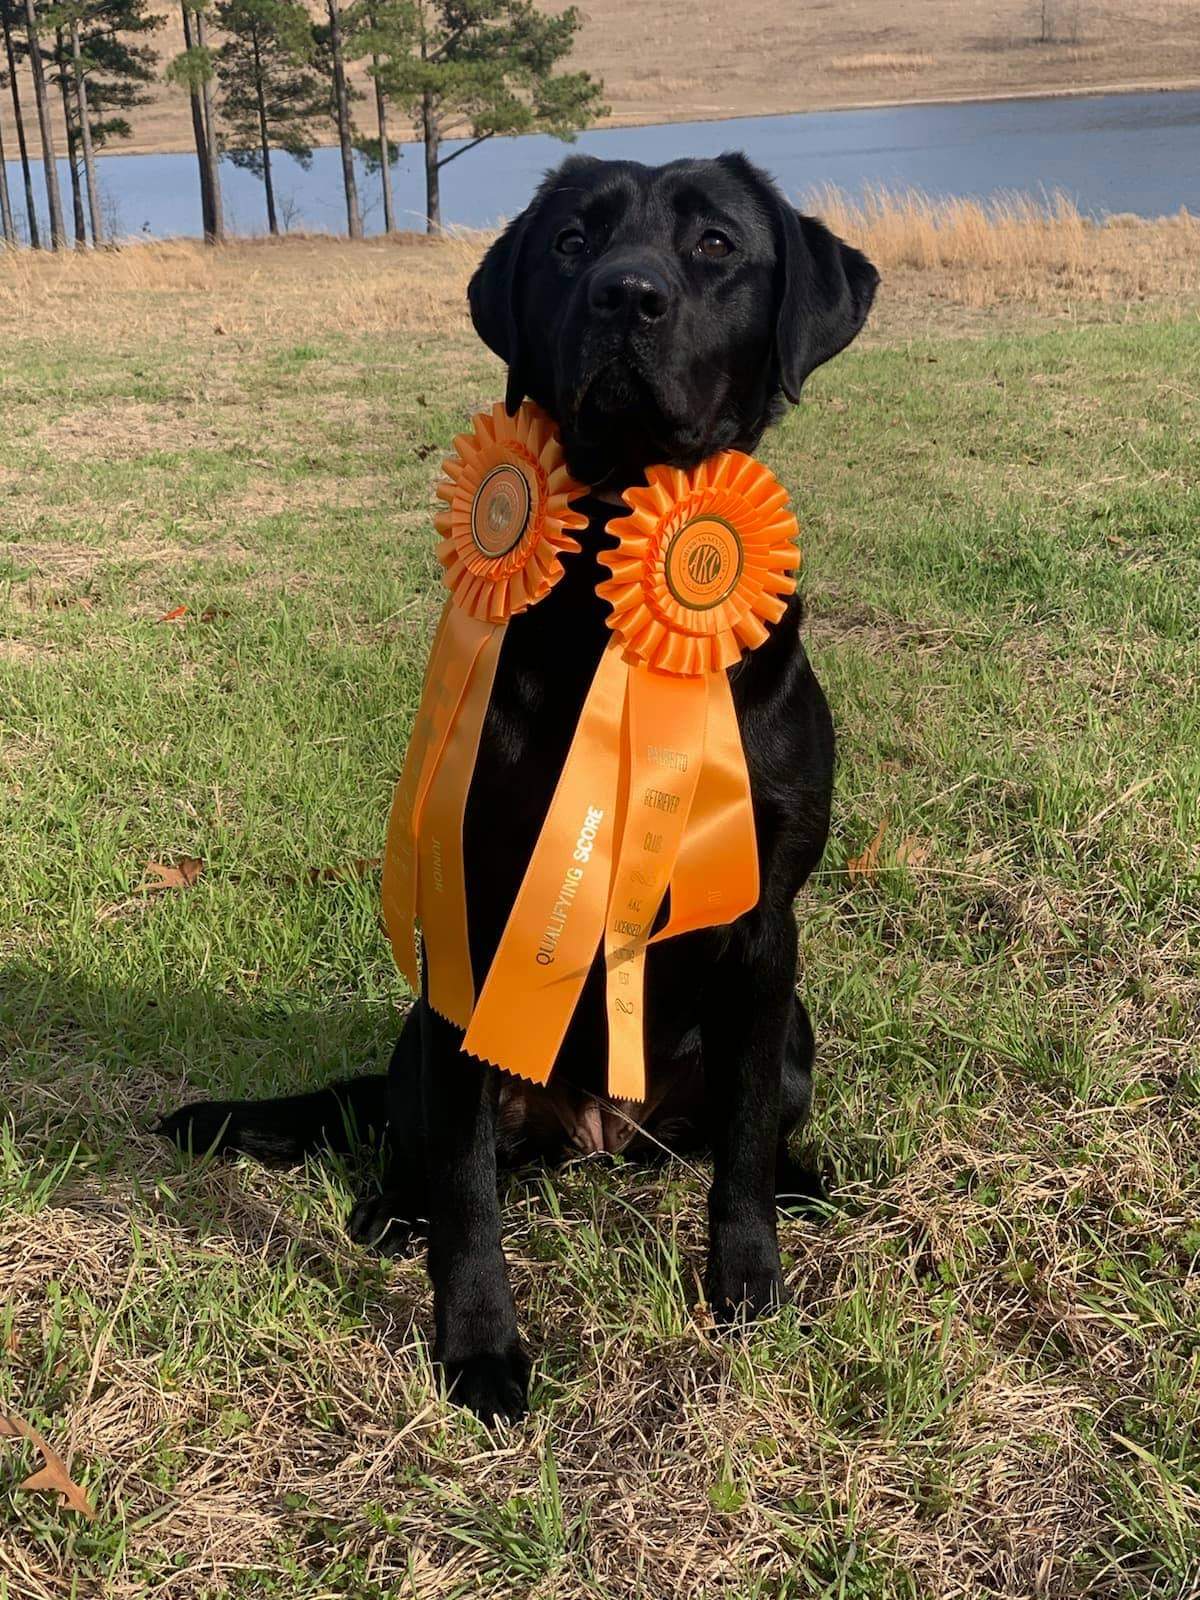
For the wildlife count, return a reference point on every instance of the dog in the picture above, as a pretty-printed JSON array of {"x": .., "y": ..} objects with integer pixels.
[{"x": 658, "y": 314}]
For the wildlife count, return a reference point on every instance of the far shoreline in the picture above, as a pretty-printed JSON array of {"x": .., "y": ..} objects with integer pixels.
[{"x": 1085, "y": 92}]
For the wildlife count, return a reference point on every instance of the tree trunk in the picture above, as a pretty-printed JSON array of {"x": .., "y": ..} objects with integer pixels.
[
  {"x": 264, "y": 141},
  {"x": 7, "y": 226},
  {"x": 199, "y": 135},
  {"x": 19, "y": 119},
  {"x": 72, "y": 142},
  {"x": 211, "y": 154},
  {"x": 433, "y": 142},
  {"x": 342, "y": 104},
  {"x": 85, "y": 136},
  {"x": 58, "y": 237},
  {"x": 385, "y": 154}
]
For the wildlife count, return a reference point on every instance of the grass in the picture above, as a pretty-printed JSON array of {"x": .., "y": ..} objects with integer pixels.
[
  {"x": 883, "y": 62},
  {"x": 987, "y": 1383}
]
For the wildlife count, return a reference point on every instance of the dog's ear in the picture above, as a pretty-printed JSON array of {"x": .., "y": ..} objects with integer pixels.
[
  {"x": 827, "y": 291},
  {"x": 824, "y": 288},
  {"x": 494, "y": 293}
]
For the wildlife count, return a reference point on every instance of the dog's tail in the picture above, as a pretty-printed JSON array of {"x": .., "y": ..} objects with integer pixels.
[{"x": 348, "y": 1113}]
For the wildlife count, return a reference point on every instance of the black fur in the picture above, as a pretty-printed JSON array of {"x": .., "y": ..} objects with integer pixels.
[{"x": 646, "y": 343}]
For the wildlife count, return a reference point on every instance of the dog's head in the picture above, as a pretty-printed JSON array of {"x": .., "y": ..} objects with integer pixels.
[{"x": 660, "y": 314}]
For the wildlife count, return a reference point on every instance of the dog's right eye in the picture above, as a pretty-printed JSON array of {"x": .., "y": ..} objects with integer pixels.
[
  {"x": 714, "y": 244},
  {"x": 571, "y": 242}
]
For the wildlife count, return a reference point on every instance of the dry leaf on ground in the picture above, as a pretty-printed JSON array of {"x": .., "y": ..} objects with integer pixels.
[
  {"x": 182, "y": 613},
  {"x": 865, "y": 865},
  {"x": 182, "y": 875},
  {"x": 912, "y": 852},
  {"x": 53, "y": 1478}
]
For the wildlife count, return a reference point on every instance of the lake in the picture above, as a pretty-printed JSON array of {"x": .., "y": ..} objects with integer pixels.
[{"x": 1109, "y": 153}]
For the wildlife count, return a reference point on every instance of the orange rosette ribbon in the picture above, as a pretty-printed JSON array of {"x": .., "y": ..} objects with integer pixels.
[
  {"x": 654, "y": 794},
  {"x": 505, "y": 527},
  {"x": 705, "y": 561}
]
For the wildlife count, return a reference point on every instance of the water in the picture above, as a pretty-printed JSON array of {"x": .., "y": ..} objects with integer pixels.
[{"x": 1109, "y": 153}]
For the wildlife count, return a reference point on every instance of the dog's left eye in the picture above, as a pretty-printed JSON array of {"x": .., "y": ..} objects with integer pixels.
[
  {"x": 570, "y": 242},
  {"x": 714, "y": 244}
]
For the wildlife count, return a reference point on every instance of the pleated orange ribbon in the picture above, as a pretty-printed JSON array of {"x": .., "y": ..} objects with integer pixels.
[
  {"x": 506, "y": 526},
  {"x": 653, "y": 795}
]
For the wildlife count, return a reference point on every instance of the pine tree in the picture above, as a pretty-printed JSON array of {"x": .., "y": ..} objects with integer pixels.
[
  {"x": 103, "y": 69},
  {"x": 341, "y": 117},
  {"x": 212, "y": 148},
  {"x": 79, "y": 74},
  {"x": 376, "y": 28},
  {"x": 7, "y": 24},
  {"x": 62, "y": 78},
  {"x": 479, "y": 68},
  {"x": 269, "y": 92},
  {"x": 380, "y": 154},
  {"x": 37, "y": 67},
  {"x": 192, "y": 69},
  {"x": 336, "y": 43}
]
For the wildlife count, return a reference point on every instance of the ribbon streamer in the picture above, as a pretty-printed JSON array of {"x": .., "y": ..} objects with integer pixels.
[
  {"x": 441, "y": 872},
  {"x": 716, "y": 876},
  {"x": 459, "y": 640},
  {"x": 665, "y": 753},
  {"x": 552, "y": 934}
]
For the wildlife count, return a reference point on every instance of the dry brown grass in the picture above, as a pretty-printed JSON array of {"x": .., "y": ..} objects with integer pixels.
[
  {"x": 245, "y": 290},
  {"x": 678, "y": 60},
  {"x": 1034, "y": 252},
  {"x": 956, "y": 262},
  {"x": 887, "y": 62},
  {"x": 1009, "y": 1510}
]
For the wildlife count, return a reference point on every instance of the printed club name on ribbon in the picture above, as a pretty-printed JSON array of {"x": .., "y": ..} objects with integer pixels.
[{"x": 654, "y": 793}]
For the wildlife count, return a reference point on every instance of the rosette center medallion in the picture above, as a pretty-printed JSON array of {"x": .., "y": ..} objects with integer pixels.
[
  {"x": 703, "y": 563},
  {"x": 500, "y": 511}
]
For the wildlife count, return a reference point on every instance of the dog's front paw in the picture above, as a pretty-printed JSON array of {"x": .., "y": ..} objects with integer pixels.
[
  {"x": 387, "y": 1222},
  {"x": 744, "y": 1278},
  {"x": 494, "y": 1387}
]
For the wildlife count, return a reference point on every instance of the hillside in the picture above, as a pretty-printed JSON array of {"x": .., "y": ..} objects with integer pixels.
[{"x": 676, "y": 60}]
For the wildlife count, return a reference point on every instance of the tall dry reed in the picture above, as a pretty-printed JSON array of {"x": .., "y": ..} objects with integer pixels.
[
  {"x": 1016, "y": 246},
  {"x": 1015, "y": 249}
]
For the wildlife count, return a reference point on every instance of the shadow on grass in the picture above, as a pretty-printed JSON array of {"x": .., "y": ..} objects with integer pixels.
[
  {"x": 99, "y": 1062},
  {"x": 87, "y": 1069}
]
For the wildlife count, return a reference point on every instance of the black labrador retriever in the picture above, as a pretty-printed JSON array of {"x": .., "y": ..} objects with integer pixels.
[{"x": 659, "y": 314}]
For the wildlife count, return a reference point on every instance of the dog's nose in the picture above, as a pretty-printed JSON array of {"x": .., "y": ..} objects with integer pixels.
[{"x": 633, "y": 291}]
